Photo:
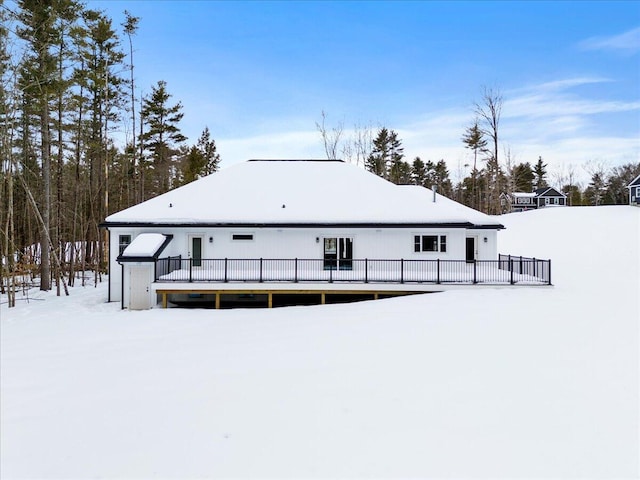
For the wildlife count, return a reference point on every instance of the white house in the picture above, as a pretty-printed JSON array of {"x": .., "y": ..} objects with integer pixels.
[{"x": 332, "y": 215}]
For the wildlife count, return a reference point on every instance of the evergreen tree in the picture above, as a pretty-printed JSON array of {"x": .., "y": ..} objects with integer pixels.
[
  {"x": 594, "y": 193},
  {"x": 387, "y": 151},
  {"x": 573, "y": 193},
  {"x": 200, "y": 160},
  {"x": 130, "y": 27},
  {"x": 418, "y": 172},
  {"x": 474, "y": 140},
  {"x": 540, "y": 172},
  {"x": 39, "y": 33},
  {"x": 162, "y": 136},
  {"x": 522, "y": 177},
  {"x": 400, "y": 173}
]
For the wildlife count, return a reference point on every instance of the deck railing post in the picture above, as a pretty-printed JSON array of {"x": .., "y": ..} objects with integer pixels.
[
  {"x": 331, "y": 272},
  {"x": 549, "y": 263},
  {"x": 296, "y": 271},
  {"x": 366, "y": 270},
  {"x": 402, "y": 270},
  {"x": 511, "y": 269},
  {"x": 438, "y": 271},
  {"x": 535, "y": 269},
  {"x": 475, "y": 271},
  {"x": 225, "y": 271},
  {"x": 260, "y": 270}
]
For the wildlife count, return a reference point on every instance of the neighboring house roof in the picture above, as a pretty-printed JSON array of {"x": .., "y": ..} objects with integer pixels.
[
  {"x": 635, "y": 182},
  {"x": 299, "y": 193},
  {"x": 548, "y": 192}
]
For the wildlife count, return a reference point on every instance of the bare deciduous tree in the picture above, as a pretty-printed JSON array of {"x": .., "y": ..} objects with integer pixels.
[
  {"x": 488, "y": 110},
  {"x": 330, "y": 137}
]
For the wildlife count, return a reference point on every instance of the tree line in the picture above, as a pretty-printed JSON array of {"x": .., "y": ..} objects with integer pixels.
[
  {"x": 78, "y": 141},
  {"x": 490, "y": 174}
]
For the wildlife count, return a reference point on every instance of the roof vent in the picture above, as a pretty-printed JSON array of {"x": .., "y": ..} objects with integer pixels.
[{"x": 434, "y": 188}]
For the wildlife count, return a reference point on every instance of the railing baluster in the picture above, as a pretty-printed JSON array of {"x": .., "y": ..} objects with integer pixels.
[
  {"x": 511, "y": 268},
  {"x": 366, "y": 270}
]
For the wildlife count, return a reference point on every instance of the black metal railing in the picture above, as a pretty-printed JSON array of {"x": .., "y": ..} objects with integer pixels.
[
  {"x": 532, "y": 267},
  {"x": 504, "y": 271}
]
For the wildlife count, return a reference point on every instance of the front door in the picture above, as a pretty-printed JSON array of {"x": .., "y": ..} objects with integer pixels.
[
  {"x": 195, "y": 250},
  {"x": 338, "y": 253},
  {"x": 470, "y": 249}
]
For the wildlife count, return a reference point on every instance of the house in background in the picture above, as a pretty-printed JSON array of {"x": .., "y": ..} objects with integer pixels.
[
  {"x": 539, "y": 198},
  {"x": 634, "y": 191},
  {"x": 288, "y": 222}
]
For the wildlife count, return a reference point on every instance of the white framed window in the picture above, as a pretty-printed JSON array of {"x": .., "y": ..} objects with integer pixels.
[
  {"x": 638, "y": 191},
  {"x": 430, "y": 243},
  {"x": 123, "y": 243}
]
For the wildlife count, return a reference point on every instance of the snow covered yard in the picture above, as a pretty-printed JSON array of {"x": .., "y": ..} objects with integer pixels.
[{"x": 504, "y": 382}]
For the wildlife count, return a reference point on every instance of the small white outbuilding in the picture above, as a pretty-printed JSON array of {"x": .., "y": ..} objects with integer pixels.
[{"x": 317, "y": 210}]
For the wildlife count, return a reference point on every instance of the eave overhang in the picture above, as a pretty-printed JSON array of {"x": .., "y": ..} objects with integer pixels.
[{"x": 413, "y": 225}]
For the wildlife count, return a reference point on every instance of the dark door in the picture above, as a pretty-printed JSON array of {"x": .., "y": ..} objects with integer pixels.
[
  {"x": 196, "y": 251},
  {"x": 345, "y": 259},
  {"x": 471, "y": 249}
]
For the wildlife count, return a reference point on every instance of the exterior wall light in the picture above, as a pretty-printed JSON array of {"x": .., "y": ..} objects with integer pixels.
[
  {"x": 210, "y": 239},
  {"x": 485, "y": 240}
]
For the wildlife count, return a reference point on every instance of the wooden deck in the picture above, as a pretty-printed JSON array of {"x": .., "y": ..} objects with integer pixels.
[{"x": 322, "y": 291}]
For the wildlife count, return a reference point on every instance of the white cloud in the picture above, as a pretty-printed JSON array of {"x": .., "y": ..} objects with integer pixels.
[{"x": 628, "y": 41}]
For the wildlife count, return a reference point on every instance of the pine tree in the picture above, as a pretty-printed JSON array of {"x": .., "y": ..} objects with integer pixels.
[
  {"x": 387, "y": 152},
  {"x": 39, "y": 33},
  {"x": 522, "y": 177},
  {"x": 130, "y": 27},
  {"x": 540, "y": 172},
  {"x": 474, "y": 140},
  {"x": 418, "y": 172},
  {"x": 200, "y": 160},
  {"x": 162, "y": 135}
]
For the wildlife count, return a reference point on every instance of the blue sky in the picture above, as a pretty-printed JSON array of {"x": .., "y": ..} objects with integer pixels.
[{"x": 259, "y": 74}]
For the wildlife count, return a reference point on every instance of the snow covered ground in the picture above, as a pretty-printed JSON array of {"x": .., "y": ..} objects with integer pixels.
[{"x": 504, "y": 382}]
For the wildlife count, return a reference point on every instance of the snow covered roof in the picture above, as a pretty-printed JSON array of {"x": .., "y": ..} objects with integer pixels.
[
  {"x": 298, "y": 192},
  {"x": 524, "y": 194},
  {"x": 146, "y": 245}
]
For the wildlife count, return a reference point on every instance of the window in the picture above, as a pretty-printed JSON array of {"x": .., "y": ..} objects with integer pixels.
[
  {"x": 430, "y": 243},
  {"x": 338, "y": 253},
  {"x": 637, "y": 192},
  {"x": 123, "y": 242},
  {"x": 242, "y": 236}
]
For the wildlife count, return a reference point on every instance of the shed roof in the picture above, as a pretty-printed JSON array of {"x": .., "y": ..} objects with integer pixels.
[{"x": 300, "y": 192}]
